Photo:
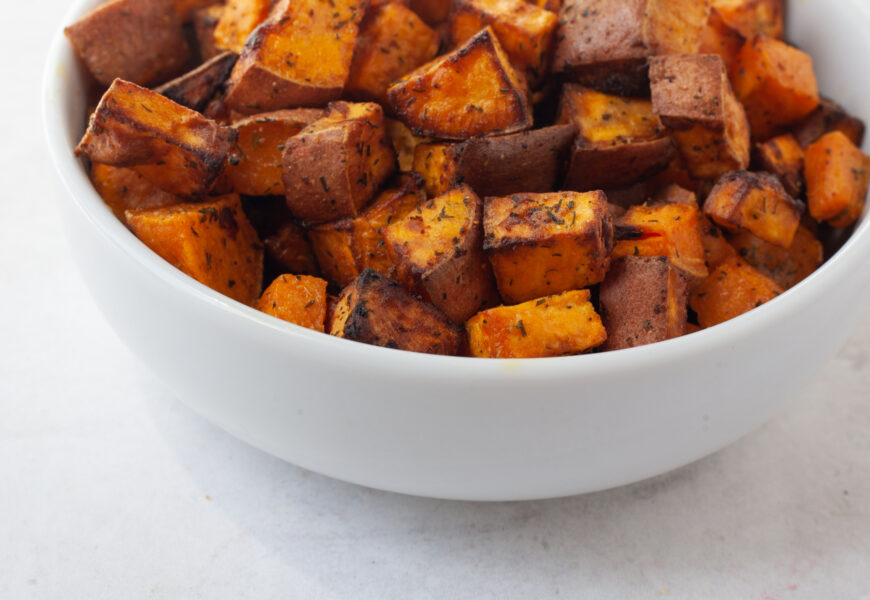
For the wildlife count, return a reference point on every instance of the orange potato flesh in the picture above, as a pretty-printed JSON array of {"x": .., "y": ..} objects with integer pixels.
[
  {"x": 555, "y": 325},
  {"x": 674, "y": 26},
  {"x": 524, "y": 30},
  {"x": 837, "y": 175},
  {"x": 541, "y": 244},
  {"x": 731, "y": 289},
  {"x": 205, "y": 21},
  {"x": 784, "y": 157},
  {"x": 298, "y": 299},
  {"x": 720, "y": 38},
  {"x": 437, "y": 165},
  {"x": 213, "y": 242},
  {"x": 432, "y": 12},
  {"x": 776, "y": 84},
  {"x": 333, "y": 246},
  {"x": 124, "y": 189},
  {"x": 752, "y": 17},
  {"x": 603, "y": 118},
  {"x": 469, "y": 92},
  {"x": 716, "y": 247},
  {"x": 238, "y": 20},
  {"x": 254, "y": 167},
  {"x": 787, "y": 267},
  {"x": 404, "y": 143},
  {"x": 671, "y": 230},
  {"x": 392, "y": 42}
]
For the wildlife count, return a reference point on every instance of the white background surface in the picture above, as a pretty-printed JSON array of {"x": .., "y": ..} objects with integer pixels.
[{"x": 109, "y": 488}]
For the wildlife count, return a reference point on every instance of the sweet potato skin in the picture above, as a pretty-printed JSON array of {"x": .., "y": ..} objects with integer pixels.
[
  {"x": 376, "y": 310},
  {"x": 472, "y": 91},
  {"x": 333, "y": 167},
  {"x": 837, "y": 175},
  {"x": 787, "y": 267},
  {"x": 718, "y": 37},
  {"x": 555, "y": 325},
  {"x": 176, "y": 148},
  {"x": 255, "y": 165},
  {"x": 541, "y": 244},
  {"x": 196, "y": 88},
  {"x": 643, "y": 300},
  {"x": 124, "y": 189},
  {"x": 753, "y": 17},
  {"x": 213, "y": 242},
  {"x": 755, "y": 202},
  {"x": 298, "y": 299},
  {"x": 141, "y": 41},
  {"x": 732, "y": 289},
  {"x": 438, "y": 252},
  {"x": 828, "y": 117}
]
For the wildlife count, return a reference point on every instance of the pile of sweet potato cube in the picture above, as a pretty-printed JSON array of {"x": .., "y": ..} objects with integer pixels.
[{"x": 489, "y": 178}]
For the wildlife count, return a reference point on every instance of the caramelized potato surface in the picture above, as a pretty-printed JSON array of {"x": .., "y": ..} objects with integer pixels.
[
  {"x": 837, "y": 175},
  {"x": 298, "y": 299},
  {"x": 787, "y": 267},
  {"x": 124, "y": 189},
  {"x": 783, "y": 157},
  {"x": 238, "y": 19},
  {"x": 196, "y": 88},
  {"x": 731, "y": 289}
]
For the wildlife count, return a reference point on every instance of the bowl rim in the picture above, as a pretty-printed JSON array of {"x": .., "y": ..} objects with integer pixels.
[{"x": 61, "y": 63}]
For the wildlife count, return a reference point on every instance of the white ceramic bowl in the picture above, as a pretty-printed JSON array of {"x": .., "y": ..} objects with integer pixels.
[{"x": 458, "y": 427}]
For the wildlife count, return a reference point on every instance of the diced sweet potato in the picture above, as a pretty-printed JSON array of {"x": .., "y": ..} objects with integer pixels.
[
  {"x": 438, "y": 252},
  {"x": 619, "y": 140},
  {"x": 731, "y": 289},
  {"x": 540, "y": 244},
  {"x": 346, "y": 248},
  {"x": 376, "y": 310},
  {"x": 528, "y": 161},
  {"x": 524, "y": 30},
  {"x": 551, "y": 5},
  {"x": 669, "y": 229},
  {"x": 674, "y": 174},
  {"x": 213, "y": 242},
  {"x": 776, "y": 84},
  {"x": 298, "y": 299},
  {"x": 694, "y": 98},
  {"x": 196, "y": 88},
  {"x": 333, "y": 167},
  {"x": 176, "y": 148},
  {"x": 404, "y": 143},
  {"x": 137, "y": 40},
  {"x": 675, "y": 26},
  {"x": 826, "y": 118},
  {"x": 755, "y": 202},
  {"x": 124, "y": 189},
  {"x": 432, "y": 12},
  {"x": 837, "y": 175},
  {"x": 255, "y": 165},
  {"x": 556, "y": 325},
  {"x": 720, "y": 38},
  {"x": 469, "y": 92},
  {"x": 643, "y": 300},
  {"x": 753, "y": 17},
  {"x": 783, "y": 157},
  {"x": 787, "y": 267},
  {"x": 238, "y": 20},
  {"x": 716, "y": 247},
  {"x": 288, "y": 246},
  {"x": 205, "y": 21},
  {"x": 392, "y": 42},
  {"x": 299, "y": 56}
]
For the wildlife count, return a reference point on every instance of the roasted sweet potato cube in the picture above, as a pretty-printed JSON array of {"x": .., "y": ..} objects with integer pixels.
[
  {"x": 333, "y": 167},
  {"x": 674, "y": 174},
  {"x": 776, "y": 84},
  {"x": 205, "y": 21},
  {"x": 556, "y": 325},
  {"x": 528, "y": 161},
  {"x": 176, "y": 148},
  {"x": 299, "y": 56},
  {"x": 732, "y": 288},
  {"x": 289, "y": 248},
  {"x": 438, "y": 252},
  {"x": 753, "y": 17},
  {"x": 469, "y": 92},
  {"x": 346, "y": 248},
  {"x": 376, "y": 310},
  {"x": 255, "y": 165},
  {"x": 718, "y": 37},
  {"x": 668, "y": 229},
  {"x": 393, "y": 41},
  {"x": 755, "y": 202},
  {"x": 826, "y": 118},
  {"x": 674, "y": 26},
  {"x": 432, "y": 12},
  {"x": 213, "y": 242},
  {"x": 694, "y": 98},
  {"x": 196, "y": 88},
  {"x": 524, "y": 30},
  {"x": 298, "y": 299},
  {"x": 124, "y": 189},
  {"x": 716, "y": 247},
  {"x": 238, "y": 21},
  {"x": 643, "y": 300},
  {"x": 137, "y": 40},
  {"x": 619, "y": 140},
  {"x": 551, "y": 5},
  {"x": 787, "y": 267},
  {"x": 404, "y": 143},
  {"x": 783, "y": 157},
  {"x": 547, "y": 243},
  {"x": 837, "y": 175}
]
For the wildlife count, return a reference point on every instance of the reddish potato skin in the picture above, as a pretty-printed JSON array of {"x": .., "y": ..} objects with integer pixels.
[
  {"x": 828, "y": 117},
  {"x": 595, "y": 167}
]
